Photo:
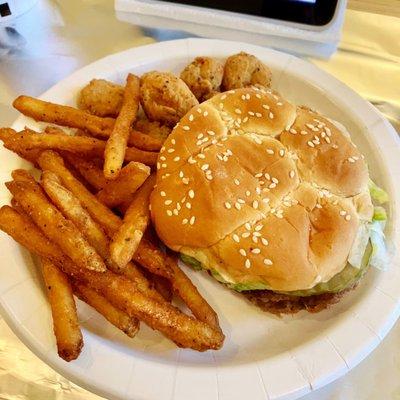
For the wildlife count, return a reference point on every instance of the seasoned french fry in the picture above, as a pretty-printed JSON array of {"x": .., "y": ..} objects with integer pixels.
[
  {"x": 163, "y": 286},
  {"x": 63, "y": 310},
  {"x": 126, "y": 240},
  {"x": 70, "y": 206},
  {"x": 32, "y": 199},
  {"x": 89, "y": 170},
  {"x": 87, "y": 146},
  {"x": 185, "y": 331},
  {"x": 74, "y": 118},
  {"x": 185, "y": 289},
  {"x": 118, "y": 318},
  {"x": 146, "y": 255},
  {"x": 117, "y": 143},
  {"x": 122, "y": 188}
]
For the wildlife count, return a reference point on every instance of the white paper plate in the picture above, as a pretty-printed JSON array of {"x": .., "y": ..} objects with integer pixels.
[{"x": 264, "y": 357}]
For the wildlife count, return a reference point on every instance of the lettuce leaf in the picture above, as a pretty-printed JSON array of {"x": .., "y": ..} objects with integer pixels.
[
  {"x": 379, "y": 256},
  {"x": 379, "y": 214},
  {"x": 377, "y": 193},
  {"x": 192, "y": 262}
]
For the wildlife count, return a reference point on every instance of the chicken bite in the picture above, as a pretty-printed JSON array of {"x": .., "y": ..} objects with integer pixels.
[
  {"x": 101, "y": 98},
  {"x": 203, "y": 76},
  {"x": 243, "y": 70},
  {"x": 165, "y": 97},
  {"x": 154, "y": 129}
]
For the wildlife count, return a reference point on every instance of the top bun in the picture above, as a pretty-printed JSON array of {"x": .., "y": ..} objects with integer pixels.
[{"x": 261, "y": 191}]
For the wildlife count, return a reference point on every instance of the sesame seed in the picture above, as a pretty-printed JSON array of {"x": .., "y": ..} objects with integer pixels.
[
  {"x": 318, "y": 205},
  {"x": 352, "y": 160},
  {"x": 275, "y": 180},
  {"x": 211, "y": 133},
  {"x": 209, "y": 177},
  {"x": 258, "y": 228},
  {"x": 241, "y": 201},
  {"x": 342, "y": 213},
  {"x": 185, "y": 181},
  {"x": 311, "y": 144},
  {"x": 162, "y": 158},
  {"x": 158, "y": 165},
  {"x": 279, "y": 103},
  {"x": 247, "y": 264},
  {"x": 245, "y": 119},
  {"x": 243, "y": 97},
  {"x": 199, "y": 143},
  {"x": 327, "y": 140},
  {"x": 266, "y": 106},
  {"x": 270, "y": 151},
  {"x": 316, "y": 141},
  {"x": 264, "y": 241},
  {"x": 242, "y": 252},
  {"x": 251, "y": 113},
  {"x": 177, "y": 158},
  {"x": 237, "y": 182},
  {"x": 256, "y": 251},
  {"x": 162, "y": 149},
  {"x": 258, "y": 96},
  {"x": 247, "y": 96},
  {"x": 267, "y": 261},
  {"x": 185, "y": 128},
  {"x": 202, "y": 156},
  {"x": 311, "y": 126},
  {"x": 335, "y": 146},
  {"x": 223, "y": 97},
  {"x": 291, "y": 174},
  {"x": 181, "y": 174},
  {"x": 191, "y": 193},
  {"x": 281, "y": 152},
  {"x": 238, "y": 111},
  {"x": 272, "y": 185},
  {"x": 287, "y": 203},
  {"x": 185, "y": 221},
  {"x": 169, "y": 213},
  {"x": 248, "y": 193},
  {"x": 256, "y": 234},
  {"x": 258, "y": 190},
  {"x": 167, "y": 202},
  {"x": 293, "y": 131},
  {"x": 238, "y": 206},
  {"x": 236, "y": 238},
  {"x": 266, "y": 200},
  {"x": 267, "y": 176},
  {"x": 258, "y": 115},
  {"x": 347, "y": 217},
  {"x": 200, "y": 136},
  {"x": 257, "y": 140},
  {"x": 323, "y": 134},
  {"x": 255, "y": 204},
  {"x": 199, "y": 110},
  {"x": 204, "y": 167},
  {"x": 254, "y": 239},
  {"x": 259, "y": 175},
  {"x": 247, "y": 226},
  {"x": 162, "y": 193},
  {"x": 191, "y": 160},
  {"x": 164, "y": 165},
  {"x": 175, "y": 211},
  {"x": 192, "y": 220},
  {"x": 303, "y": 133},
  {"x": 205, "y": 113},
  {"x": 245, "y": 234},
  {"x": 178, "y": 206},
  {"x": 271, "y": 115}
]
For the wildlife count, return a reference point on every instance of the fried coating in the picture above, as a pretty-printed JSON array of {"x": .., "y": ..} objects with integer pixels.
[
  {"x": 243, "y": 70},
  {"x": 204, "y": 77},
  {"x": 165, "y": 97},
  {"x": 153, "y": 128},
  {"x": 101, "y": 98}
]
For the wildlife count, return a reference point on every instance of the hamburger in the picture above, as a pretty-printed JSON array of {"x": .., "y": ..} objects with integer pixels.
[{"x": 273, "y": 200}]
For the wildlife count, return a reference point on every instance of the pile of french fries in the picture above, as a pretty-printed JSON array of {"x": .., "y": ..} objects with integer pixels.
[{"x": 88, "y": 220}]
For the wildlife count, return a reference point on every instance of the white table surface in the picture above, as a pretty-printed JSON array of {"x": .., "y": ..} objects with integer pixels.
[{"x": 62, "y": 36}]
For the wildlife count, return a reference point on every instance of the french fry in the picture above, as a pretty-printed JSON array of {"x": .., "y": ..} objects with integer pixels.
[
  {"x": 126, "y": 240},
  {"x": 63, "y": 310},
  {"x": 30, "y": 155},
  {"x": 118, "y": 318},
  {"x": 72, "y": 209},
  {"x": 184, "y": 330},
  {"x": 146, "y": 255},
  {"x": 32, "y": 199},
  {"x": 87, "y": 146},
  {"x": 74, "y": 118},
  {"x": 163, "y": 286},
  {"x": 122, "y": 188},
  {"x": 188, "y": 292},
  {"x": 89, "y": 170},
  {"x": 117, "y": 143}
]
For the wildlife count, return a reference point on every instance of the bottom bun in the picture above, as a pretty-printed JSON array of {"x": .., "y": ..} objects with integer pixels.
[{"x": 276, "y": 303}]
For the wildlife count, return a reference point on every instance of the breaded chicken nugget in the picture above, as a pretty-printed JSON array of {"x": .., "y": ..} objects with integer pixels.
[
  {"x": 203, "y": 76},
  {"x": 243, "y": 70},
  {"x": 154, "y": 129},
  {"x": 101, "y": 98},
  {"x": 165, "y": 97}
]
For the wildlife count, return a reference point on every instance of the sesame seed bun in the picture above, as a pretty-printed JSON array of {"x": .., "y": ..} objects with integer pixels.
[{"x": 261, "y": 191}]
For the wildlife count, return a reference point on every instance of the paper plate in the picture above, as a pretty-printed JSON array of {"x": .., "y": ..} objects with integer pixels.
[{"x": 264, "y": 357}]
